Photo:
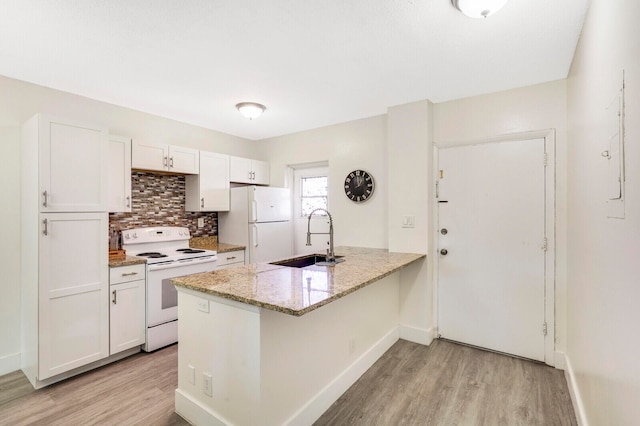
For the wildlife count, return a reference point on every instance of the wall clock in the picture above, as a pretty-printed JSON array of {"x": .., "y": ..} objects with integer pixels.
[{"x": 359, "y": 186}]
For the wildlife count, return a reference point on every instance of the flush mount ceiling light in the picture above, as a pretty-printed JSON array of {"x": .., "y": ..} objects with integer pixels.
[
  {"x": 251, "y": 110},
  {"x": 478, "y": 8}
]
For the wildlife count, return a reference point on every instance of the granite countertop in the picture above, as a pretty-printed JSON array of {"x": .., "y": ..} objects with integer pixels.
[
  {"x": 211, "y": 243},
  {"x": 127, "y": 261},
  {"x": 297, "y": 291}
]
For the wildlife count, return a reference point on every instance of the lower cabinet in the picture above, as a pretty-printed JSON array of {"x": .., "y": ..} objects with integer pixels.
[
  {"x": 127, "y": 307},
  {"x": 230, "y": 259}
]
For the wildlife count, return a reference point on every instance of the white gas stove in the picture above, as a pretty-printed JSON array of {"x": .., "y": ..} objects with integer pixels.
[{"x": 167, "y": 253}]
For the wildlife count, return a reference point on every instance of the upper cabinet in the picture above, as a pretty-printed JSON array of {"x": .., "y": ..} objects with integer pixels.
[
  {"x": 119, "y": 173},
  {"x": 246, "y": 170},
  {"x": 71, "y": 170},
  {"x": 164, "y": 158},
  {"x": 208, "y": 191}
]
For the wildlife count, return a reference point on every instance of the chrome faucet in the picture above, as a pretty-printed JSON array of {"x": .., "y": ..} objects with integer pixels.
[{"x": 331, "y": 256}]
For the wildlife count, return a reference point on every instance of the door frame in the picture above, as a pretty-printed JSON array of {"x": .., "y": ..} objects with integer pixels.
[{"x": 549, "y": 136}]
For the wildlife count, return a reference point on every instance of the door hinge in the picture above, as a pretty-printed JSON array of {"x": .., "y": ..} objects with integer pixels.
[
  {"x": 544, "y": 244},
  {"x": 544, "y": 328},
  {"x": 545, "y": 159}
]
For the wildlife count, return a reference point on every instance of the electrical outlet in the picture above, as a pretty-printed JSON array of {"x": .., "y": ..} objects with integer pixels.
[
  {"x": 206, "y": 384},
  {"x": 203, "y": 305},
  {"x": 192, "y": 374},
  {"x": 201, "y": 222}
]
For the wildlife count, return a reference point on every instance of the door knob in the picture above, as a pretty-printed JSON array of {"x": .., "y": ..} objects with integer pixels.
[
  {"x": 444, "y": 231},
  {"x": 444, "y": 252}
]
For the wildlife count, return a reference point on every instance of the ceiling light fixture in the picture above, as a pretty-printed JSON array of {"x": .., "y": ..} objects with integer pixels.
[
  {"x": 251, "y": 110},
  {"x": 478, "y": 8}
]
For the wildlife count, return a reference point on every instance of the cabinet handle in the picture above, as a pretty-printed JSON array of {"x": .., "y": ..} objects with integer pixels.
[
  {"x": 45, "y": 231},
  {"x": 128, "y": 201},
  {"x": 231, "y": 258},
  {"x": 128, "y": 274},
  {"x": 164, "y": 161},
  {"x": 44, "y": 202},
  {"x": 202, "y": 202},
  {"x": 115, "y": 297},
  {"x": 253, "y": 175},
  {"x": 171, "y": 162}
]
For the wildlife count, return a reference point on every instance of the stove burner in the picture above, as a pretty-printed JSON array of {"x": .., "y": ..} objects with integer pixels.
[
  {"x": 152, "y": 255},
  {"x": 190, "y": 251}
]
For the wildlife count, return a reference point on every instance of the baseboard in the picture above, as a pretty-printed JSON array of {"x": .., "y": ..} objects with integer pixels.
[
  {"x": 416, "y": 335},
  {"x": 196, "y": 413},
  {"x": 317, "y": 405},
  {"x": 559, "y": 360},
  {"x": 9, "y": 363},
  {"x": 574, "y": 391}
]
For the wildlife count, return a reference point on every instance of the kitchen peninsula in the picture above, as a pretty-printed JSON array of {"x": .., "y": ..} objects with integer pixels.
[{"x": 269, "y": 344}]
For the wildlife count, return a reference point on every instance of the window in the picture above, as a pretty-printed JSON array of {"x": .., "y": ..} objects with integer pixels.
[{"x": 313, "y": 190}]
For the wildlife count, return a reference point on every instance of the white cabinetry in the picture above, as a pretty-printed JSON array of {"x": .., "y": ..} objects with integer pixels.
[
  {"x": 208, "y": 191},
  {"x": 65, "y": 317},
  {"x": 230, "y": 259},
  {"x": 127, "y": 312},
  {"x": 119, "y": 174},
  {"x": 246, "y": 170},
  {"x": 71, "y": 164},
  {"x": 164, "y": 158}
]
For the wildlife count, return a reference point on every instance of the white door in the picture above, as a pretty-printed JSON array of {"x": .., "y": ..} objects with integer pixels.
[
  {"x": 149, "y": 156},
  {"x": 119, "y": 190},
  {"x": 261, "y": 172},
  {"x": 127, "y": 316},
  {"x": 270, "y": 204},
  {"x": 214, "y": 181},
  {"x": 73, "y": 161},
  {"x": 491, "y": 248},
  {"x": 269, "y": 241},
  {"x": 73, "y": 309},
  {"x": 184, "y": 160}
]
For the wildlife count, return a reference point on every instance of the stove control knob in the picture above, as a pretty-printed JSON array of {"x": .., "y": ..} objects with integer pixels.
[
  {"x": 135, "y": 235},
  {"x": 126, "y": 236}
]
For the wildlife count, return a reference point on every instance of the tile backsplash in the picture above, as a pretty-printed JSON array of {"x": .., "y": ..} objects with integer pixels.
[{"x": 158, "y": 200}]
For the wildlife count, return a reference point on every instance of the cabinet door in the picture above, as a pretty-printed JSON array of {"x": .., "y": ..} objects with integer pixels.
[
  {"x": 119, "y": 176},
  {"x": 240, "y": 170},
  {"x": 73, "y": 319},
  {"x": 149, "y": 156},
  {"x": 261, "y": 172},
  {"x": 184, "y": 160},
  {"x": 214, "y": 181},
  {"x": 126, "y": 321},
  {"x": 73, "y": 166}
]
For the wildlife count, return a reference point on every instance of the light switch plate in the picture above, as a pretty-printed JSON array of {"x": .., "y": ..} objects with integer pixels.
[{"x": 408, "y": 221}]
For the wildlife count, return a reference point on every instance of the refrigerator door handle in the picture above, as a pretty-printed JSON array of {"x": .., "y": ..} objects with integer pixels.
[
  {"x": 254, "y": 210},
  {"x": 255, "y": 236}
]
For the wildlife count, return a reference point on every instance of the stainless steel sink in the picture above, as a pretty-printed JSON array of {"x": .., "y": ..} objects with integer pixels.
[{"x": 309, "y": 260}]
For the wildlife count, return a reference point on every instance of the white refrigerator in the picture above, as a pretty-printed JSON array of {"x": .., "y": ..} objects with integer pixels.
[{"x": 259, "y": 218}]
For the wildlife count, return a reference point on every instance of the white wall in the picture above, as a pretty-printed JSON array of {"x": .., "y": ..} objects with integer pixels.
[
  {"x": 532, "y": 108},
  {"x": 359, "y": 144},
  {"x": 409, "y": 165},
  {"x": 603, "y": 319},
  {"x": 18, "y": 102}
]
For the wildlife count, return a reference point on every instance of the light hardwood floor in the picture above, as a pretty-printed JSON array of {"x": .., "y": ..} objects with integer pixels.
[
  {"x": 450, "y": 384},
  {"x": 443, "y": 384}
]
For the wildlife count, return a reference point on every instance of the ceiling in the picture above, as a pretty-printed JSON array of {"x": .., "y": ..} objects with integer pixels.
[{"x": 312, "y": 63}]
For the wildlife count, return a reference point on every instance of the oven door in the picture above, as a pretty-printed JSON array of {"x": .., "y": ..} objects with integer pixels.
[{"x": 162, "y": 296}]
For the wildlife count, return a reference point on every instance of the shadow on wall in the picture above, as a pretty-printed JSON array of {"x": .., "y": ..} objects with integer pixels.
[{"x": 158, "y": 200}]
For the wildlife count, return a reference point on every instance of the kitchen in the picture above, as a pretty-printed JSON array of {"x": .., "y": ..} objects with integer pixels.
[{"x": 594, "y": 325}]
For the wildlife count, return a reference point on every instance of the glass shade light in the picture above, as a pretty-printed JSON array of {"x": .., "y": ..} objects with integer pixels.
[
  {"x": 251, "y": 110},
  {"x": 478, "y": 8}
]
